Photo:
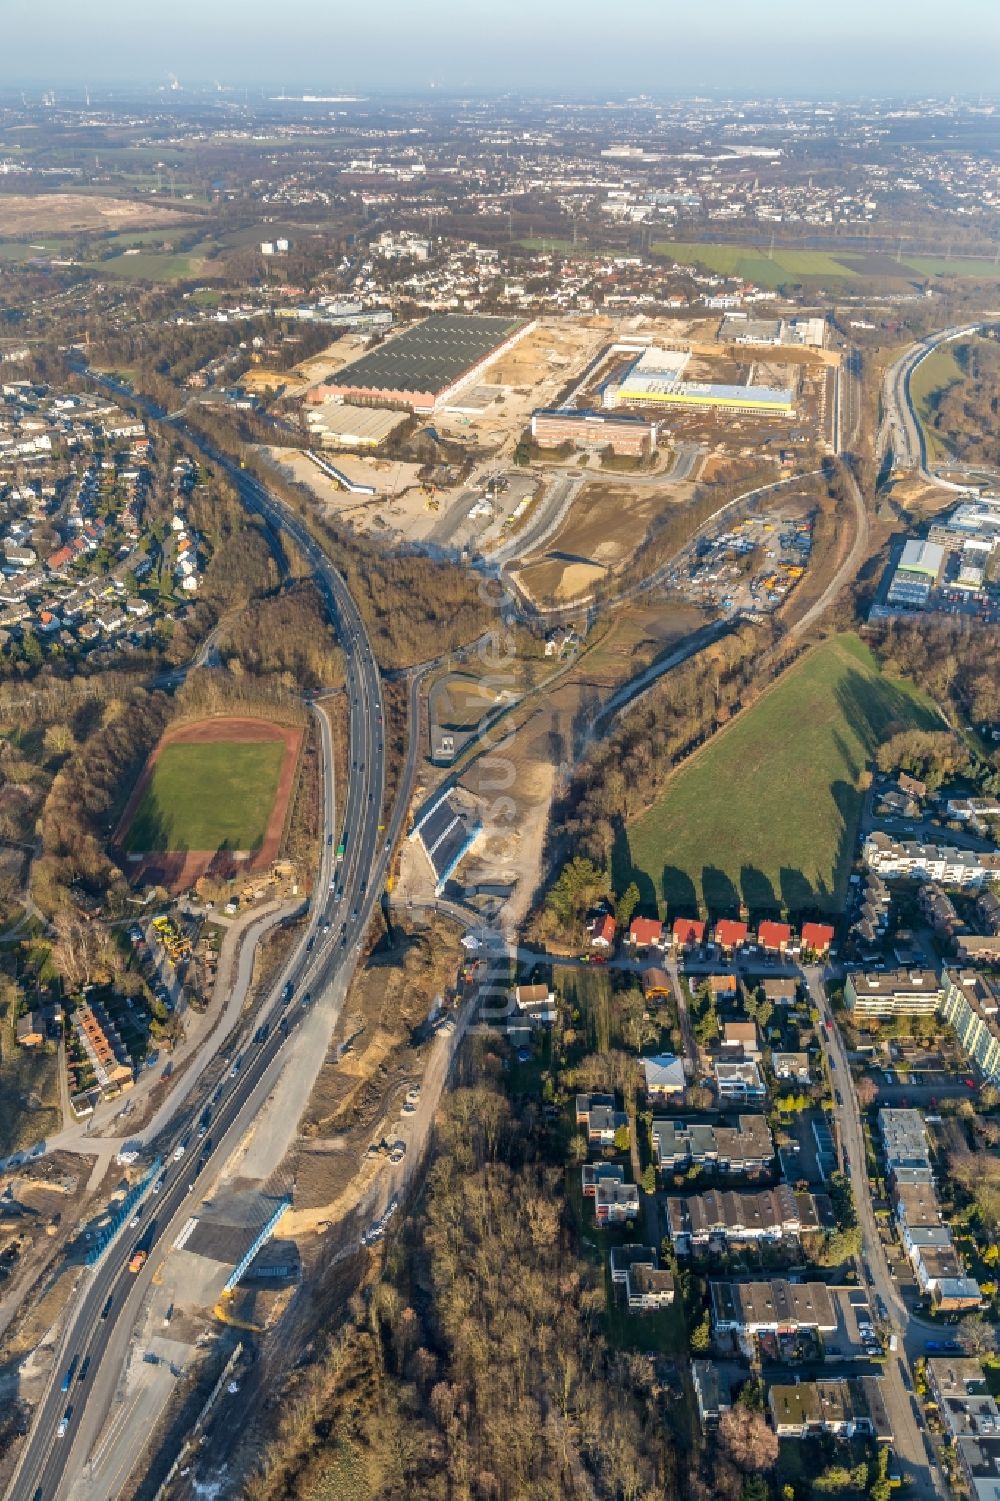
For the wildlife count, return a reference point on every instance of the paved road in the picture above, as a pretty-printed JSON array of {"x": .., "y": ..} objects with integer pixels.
[
  {"x": 346, "y": 894},
  {"x": 897, "y": 1380},
  {"x": 901, "y": 428}
]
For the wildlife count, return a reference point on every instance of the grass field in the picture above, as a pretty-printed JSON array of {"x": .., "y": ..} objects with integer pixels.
[
  {"x": 767, "y": 814},
  {"x": 754, "y": 262},
  {"x": 758, "y": 264},
  {"x": 934, "y": 374},
  {"x": 209, "y": 796}
]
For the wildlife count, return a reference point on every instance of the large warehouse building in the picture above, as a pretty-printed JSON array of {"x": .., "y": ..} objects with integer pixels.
[
  {"x": 427, "y": 364},
  {"x": 655, "y": 380}
]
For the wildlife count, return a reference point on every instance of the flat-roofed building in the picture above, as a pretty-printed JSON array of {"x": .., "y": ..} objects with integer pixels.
[
  {"x": 971, "y": 1004},
  {"x": 904, "y": 1138},
  {"x": 594, "y": 431},
  {"x": 843, "y": 1407},
  {"x": 909, "y": 860},
  {"x": 747, "y": 1148},
  {"x": 897, "y": 992},
  {"x": 965, "y": 1407},
  {"x": 738, "y": 1079},
  {"x": 424, "y": 366}
]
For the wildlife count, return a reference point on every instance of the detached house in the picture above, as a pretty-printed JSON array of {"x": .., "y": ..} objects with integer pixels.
[
  {"x": 774, "y": 937},
  {"x": 645, "y": 933},
  {"x": 602, "y": 932},
  {"x": 730, "y": 935},
  {"x": 687, "y": 933}
]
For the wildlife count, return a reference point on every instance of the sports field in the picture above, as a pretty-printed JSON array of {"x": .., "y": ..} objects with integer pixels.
[
  {"x": 767, "y": 813},
  {"x": 213, "y": 795},
  {"x": 208, "y": 797}
]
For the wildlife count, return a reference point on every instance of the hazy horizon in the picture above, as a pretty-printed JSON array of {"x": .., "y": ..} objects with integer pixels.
[{"x": 576, "y": 47}]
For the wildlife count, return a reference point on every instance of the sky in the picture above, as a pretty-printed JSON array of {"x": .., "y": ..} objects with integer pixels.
[{"x": 594, "y": 48}]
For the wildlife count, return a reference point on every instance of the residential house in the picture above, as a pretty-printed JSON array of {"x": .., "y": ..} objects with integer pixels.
[
  {"x": 600, "y": 1119},
  {"x": 602, "y": 932},
  {"x": 816, "y": 938},
  {"x": 593, "y": 1174},
  {"x": 645, "y": 933},
  {"x": 774, "y": 937},
  {"x": 742, "y": 1037},
  {"x": 623, "y": 1257},
  {"x": 31, "y": 1030},
  {"x": 687, "y": 933},
  {"x": 780, "y": 992},
  {"x": 844, "y": 1408},
  {"x": 656, "y": 984},
  {"x": 794, "y": 1066},
  {"x": 740, "y": 1080},
  {"x": 616, "y": 1203},
  {"x": 775, "y": 1306},
  {"x": 648, "y": 1288},
  {"x": 730, "y": 935},
  {"x": 711, "y": 1392},
  {"x": 722, "y": 987},
  {"x": 664, "y": 1077},
  {"x": 535, "y": 1004}
]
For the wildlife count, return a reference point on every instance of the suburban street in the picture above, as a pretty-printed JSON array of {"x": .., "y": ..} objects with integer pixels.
[{"x": 924, "y": 1478}]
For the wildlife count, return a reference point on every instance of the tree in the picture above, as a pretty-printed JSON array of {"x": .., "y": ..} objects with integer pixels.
[
  {"x": 976, "y": 1336},
  {"x": 626, "y": 905},
  {"x": 747, "y": 1439},
  {"x": 621, "y": 1139},
  {"x": 701, "y": 1336},
  {"x": 867, "y": 1091},
  {"x": 989, "y": 1097}
]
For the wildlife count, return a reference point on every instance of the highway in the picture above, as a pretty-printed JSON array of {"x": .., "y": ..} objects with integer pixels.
[
  {"x": 108, "y": 1299},
  {"x": 901, "y": 429}
]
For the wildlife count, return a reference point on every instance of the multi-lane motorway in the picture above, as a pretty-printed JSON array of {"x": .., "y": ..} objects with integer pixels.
[
  {"x": 109, "y": 1297},
  {"x": 901, "y": 428}
]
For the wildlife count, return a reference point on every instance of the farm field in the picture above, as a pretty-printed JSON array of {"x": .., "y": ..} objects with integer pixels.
[
  {"x": 933, "y": 375},
  {"x": 767, "y": 813},
  {"x": 768, "y": 269},
  {"x": 61, "y": 213},
  {"x": 755, "y": 262}
]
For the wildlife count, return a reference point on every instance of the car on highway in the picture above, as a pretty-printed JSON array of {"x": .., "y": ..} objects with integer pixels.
[
  {"x": 107, "y": 1307},
  {"x": 397, "y": 1151},
  {"x": 64, "y": 1422},
  {"x": 158, "y": 1185},
  {"x": 70, "y": 1372},
  {"x": 84, "y": 1369},
  {"x": 181, "y": 1148}
]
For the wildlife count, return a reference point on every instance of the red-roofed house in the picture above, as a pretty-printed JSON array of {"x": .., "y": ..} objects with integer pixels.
[
  {"x": 730, "y": 935},
  {"x": 60, "y": 559},
  {"x": 688, "y": 932},
  {"x": 645, "y": 933},
  {"x": 774, "y": 936},
  {"x": 602, "y": 931},
  {"x": 817, "y": 937}
]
